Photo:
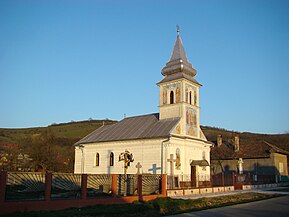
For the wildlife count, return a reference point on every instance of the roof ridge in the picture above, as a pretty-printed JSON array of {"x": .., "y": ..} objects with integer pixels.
[
  {"x": 276, "y": 147},
  {"x": 151, "y": 114}
]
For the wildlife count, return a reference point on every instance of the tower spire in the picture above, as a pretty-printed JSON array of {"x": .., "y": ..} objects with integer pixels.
[{"x": 179, "y": 62}]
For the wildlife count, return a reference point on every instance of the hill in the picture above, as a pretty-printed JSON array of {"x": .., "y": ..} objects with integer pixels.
[
  {"x": 43, "y": 148},
  {"x": 51, "y": 147},
  {"x": 72, "y": 131}
]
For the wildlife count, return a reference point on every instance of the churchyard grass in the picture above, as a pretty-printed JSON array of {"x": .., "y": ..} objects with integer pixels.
[{"x": 154, "y": 208}]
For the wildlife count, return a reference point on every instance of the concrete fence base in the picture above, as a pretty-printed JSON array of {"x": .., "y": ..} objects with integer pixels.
[{"x": 197, "y": 191}]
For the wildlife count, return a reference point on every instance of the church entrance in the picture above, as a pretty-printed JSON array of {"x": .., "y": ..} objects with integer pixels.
[
  {"x": 194, "y": 164},
  {"x": 193, "y": 176}
]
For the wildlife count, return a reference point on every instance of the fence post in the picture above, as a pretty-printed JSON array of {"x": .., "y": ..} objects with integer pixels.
[
  {"x": 164, "y": 184},
  {"x": 83, "y": 186},
  {"x": 48, "y": 185},
  {"x": 114, "y": 184},
  {"x": 3, "y": 180},
  {"x": 139, "y": 187},
  {"x": 223, "y": 179}
]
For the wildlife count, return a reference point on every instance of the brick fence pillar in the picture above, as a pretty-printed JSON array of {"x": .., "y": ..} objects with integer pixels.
[
  {"x": 139, "y": 187},
  {"x": 48, "y": 186},
  {"x": 114, "y": 184},
  {"x": 3, "y": 180},
  {"x": 83, "y": 186},
  {"x": 164, "y": 184}
]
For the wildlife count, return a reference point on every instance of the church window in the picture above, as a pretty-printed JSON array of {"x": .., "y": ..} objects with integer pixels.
[
  {"x": 111, "y": 159},
  {"x": 172, "y": 97},
  {"x": 96, "y": 160}
]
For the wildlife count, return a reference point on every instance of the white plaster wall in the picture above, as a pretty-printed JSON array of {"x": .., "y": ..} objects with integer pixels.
[
  {"x": 147, "y": 152},
  {"x": 190, "y": 150},
  {"x": 170, "y": 111},
  {"x": 77, "y": 161}
]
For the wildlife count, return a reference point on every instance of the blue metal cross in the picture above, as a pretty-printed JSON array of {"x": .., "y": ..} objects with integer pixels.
[{"x": 154, "y": 169}]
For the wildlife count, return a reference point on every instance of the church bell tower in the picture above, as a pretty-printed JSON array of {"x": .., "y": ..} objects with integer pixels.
[{"x": 179, "y": 93}]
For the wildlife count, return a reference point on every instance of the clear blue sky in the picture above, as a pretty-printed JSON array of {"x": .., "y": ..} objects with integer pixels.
[{"x": 63, "y": 60}]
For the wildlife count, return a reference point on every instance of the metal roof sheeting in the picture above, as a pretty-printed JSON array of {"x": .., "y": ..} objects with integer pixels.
[{"x": 137, "y": 127}]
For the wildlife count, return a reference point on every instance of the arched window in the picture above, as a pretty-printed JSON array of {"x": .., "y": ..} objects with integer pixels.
[
  {"x": 111, "y": 159},
  {"x": 96, "y": 160},
  {"x": 195, "y": 97},
  {"x": 172, "y": 97},
  {"x": 190, "y": 97}
]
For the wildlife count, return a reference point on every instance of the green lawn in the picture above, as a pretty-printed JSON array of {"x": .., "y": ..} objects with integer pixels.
[{"x": 154, "y": 208}]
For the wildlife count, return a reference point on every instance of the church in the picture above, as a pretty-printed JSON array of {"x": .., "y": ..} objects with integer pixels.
[{"x": 169, "y": 142}]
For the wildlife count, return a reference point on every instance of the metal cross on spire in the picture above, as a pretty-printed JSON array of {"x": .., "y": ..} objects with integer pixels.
[{"x": 178, "y": 29}]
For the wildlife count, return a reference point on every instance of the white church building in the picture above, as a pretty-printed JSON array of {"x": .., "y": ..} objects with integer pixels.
[{"x": 169, "y": 142}]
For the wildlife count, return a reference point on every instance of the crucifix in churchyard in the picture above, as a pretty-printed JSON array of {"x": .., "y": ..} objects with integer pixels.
[
  {"x": 138, "y": 166},
  {"x": 171, "y": 160},
  {"x": 154, "y": 169},
  {"x": 240, "y": 165},
  {"x": 127, "y": 158}
]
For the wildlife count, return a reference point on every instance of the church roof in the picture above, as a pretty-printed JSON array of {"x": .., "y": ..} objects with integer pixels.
[
  {"x": 179, "y": 51},
  {"x": 179, "y": 62},
  {"x": 247, "y": 150},
  {"x": 137, "y": 127},
  {"x": 179, "y": 76}
]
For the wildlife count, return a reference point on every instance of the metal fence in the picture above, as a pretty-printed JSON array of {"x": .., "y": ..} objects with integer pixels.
[
  {"x": 128, "y": 186},
  {"x": 65, "y": 186},
  {"x": 99, "y": 185},
  {"x": 151, "y": 184},
  {"x": 217, "y": 180},
  {"x": 25, "y": 186},
  {"x": 31, "y": 186}
]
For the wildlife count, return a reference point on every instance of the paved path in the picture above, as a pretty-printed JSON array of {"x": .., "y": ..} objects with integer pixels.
[
  {"x": 278, "y": 207},
  {"x": 264, "y": 190},
  {"x": 275, "y": 207}
]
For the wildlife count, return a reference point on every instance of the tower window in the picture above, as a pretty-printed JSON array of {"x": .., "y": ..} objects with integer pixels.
[
  {"x": 96, "y": 160},
  {"x": 172, "y": 97},
  {"x": 195, "y": 97},
  {"x": 111, "y": 159}
]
